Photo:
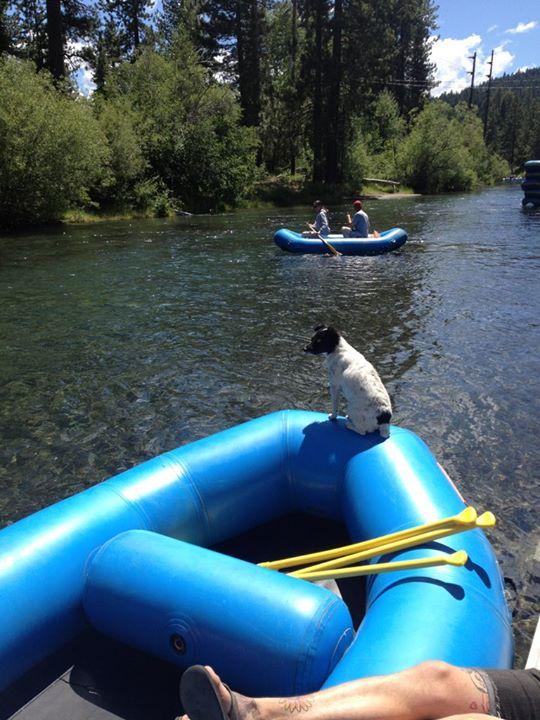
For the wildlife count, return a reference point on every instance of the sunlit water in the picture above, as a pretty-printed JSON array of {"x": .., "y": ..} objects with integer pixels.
[{"x": 119, "y": 341}]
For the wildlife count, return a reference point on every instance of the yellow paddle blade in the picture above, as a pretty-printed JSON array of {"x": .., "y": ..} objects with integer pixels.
[
  {"x": 459, "y": 558},
  {"x": 467, "y": 517},
  {"x": 486, "y": 520},
  {"x": 456, "y": 559}
]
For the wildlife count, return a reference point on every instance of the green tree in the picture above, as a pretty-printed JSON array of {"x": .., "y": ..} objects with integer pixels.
[
  {"x": 130, "y": 17},
  {"x": 51, "y": 33},
  {"x": 283, "y": 100},
  {"x": 189, "y": 126},
  {"x": 434, "y": 158},
  {"x": 126, "y": 165},
  {"x": 52, "y": 150},
  {"x": 512, "y": 129},
  {"x": 7, "y": 28},
  {"x": 412, "y": 21}
]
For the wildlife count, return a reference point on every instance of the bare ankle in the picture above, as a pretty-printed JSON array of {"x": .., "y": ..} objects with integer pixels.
[{"x": 250, "y": 708}]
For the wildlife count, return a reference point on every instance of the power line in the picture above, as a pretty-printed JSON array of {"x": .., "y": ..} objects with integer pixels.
[{"x": 433, "y": 85}]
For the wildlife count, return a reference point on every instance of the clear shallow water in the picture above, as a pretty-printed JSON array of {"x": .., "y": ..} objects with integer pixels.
[{"x": 119, "y": 341}]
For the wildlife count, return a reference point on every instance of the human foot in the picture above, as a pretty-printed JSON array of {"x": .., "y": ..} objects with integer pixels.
[{"x": 205, "y": 697}]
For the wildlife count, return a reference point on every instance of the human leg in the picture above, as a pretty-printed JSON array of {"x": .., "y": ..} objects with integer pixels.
[{"x": 429, "y": 690}]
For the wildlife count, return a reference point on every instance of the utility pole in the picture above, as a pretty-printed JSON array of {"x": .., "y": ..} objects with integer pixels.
[
  {"x": 471, "y": 72},
  {"x": 490, "y": 63}
]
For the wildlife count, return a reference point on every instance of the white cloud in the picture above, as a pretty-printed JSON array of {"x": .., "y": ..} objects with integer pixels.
[
  {"x": 453, "y": 63},
  {"x": 502, "y": 61},
  {"x": 492, "y": 28},
  {"x": 522, "y": 27},
  {"x": 85, "y": 81},
  {"x": 451, "y": 59},
  {"x": 524, "y": 67},
  {"x": 79, "y": 70}
]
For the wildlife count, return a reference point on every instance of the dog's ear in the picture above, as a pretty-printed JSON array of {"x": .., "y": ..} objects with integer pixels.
[{"x": 319, "y": 327}]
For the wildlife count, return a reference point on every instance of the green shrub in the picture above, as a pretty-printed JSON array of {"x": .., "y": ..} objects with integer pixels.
[
  {"x": 357, "y": 161},
  {"x": 434, "y": 157},
  {"x": 52, "y": 149},
  {"x": 126, "y": 163},
  {"x": 189, "y": 128}
]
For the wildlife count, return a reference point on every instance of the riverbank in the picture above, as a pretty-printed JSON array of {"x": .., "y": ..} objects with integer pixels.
[
  {"x": 79, "y": 216},
  {"x": 268, "y": 194}
]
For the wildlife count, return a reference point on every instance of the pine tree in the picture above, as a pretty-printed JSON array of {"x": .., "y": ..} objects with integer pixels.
[
  {"x": 49, "y": 33},
  {"x": 191, "y": 16},
  {"x": 7, "y": 29},
  {"x": 131, "y": 20},
  {"x": 412, "y": 22},
  {"x": 31, "y": 39}
]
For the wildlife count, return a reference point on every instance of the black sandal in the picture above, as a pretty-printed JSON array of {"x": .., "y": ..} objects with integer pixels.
[{"x": 200, "y": 697}]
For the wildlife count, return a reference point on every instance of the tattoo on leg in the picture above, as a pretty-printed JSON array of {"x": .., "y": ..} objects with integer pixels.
[
  {"x": 296, "y": 704},
  {"x": 479, "y": 683}
]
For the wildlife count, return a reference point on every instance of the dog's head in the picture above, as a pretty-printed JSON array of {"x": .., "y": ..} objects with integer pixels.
[{"x": 325, "y": 340}]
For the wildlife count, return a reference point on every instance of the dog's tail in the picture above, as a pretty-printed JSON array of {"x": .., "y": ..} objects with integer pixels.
[{"x": 383, "y": 421}]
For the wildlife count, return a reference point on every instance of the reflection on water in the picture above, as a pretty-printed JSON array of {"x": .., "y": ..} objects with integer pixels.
[{"x": 120, "y": 341}]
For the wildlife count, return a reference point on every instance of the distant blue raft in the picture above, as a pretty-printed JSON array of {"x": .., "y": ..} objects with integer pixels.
[{"x": 294, "y": 242}]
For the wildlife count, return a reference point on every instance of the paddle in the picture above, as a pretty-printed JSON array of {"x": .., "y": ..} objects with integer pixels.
[
  {"x": 458, "y": 558},
  {"x": 467, "y": 517},
  {"x": 330, "y": 247},
  {"x": 395, "y": 545}
]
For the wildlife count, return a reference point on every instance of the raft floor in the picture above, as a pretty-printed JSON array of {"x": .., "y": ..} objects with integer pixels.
[{"x": 100, "y": 679}]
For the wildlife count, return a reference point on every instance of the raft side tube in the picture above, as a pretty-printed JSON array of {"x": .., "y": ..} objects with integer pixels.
[
  {"x": 296, "y": 243},
  {"x": 277, "y": 635}
]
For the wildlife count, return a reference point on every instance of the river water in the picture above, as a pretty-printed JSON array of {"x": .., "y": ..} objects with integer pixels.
[{"x": 119, "y": 341}]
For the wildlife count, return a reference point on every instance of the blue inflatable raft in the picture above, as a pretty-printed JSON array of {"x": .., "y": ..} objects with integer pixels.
[
  {"x": 129, "y": 557},
  {"x": 296, "y": 243}
]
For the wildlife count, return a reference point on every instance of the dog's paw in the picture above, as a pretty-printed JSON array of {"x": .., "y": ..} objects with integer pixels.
[{"x": 384, "y": 430}]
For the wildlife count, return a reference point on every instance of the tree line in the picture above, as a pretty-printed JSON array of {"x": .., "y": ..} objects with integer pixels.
[
  {"x": 512, "y": 117},
  {"x": 198, "y": 102}
]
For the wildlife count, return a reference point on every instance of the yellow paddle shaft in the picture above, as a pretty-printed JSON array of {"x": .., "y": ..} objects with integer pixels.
[
  {"x": 458, "y": 558},
  {"x": 466, "y": 517},
  {"x": 394, "y": 546}
]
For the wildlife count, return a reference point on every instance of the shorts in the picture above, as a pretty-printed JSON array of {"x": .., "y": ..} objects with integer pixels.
[{"x": 513, "y": 694}]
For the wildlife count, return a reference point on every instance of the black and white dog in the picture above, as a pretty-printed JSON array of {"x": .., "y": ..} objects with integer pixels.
[{"x": 350, "y": 373}]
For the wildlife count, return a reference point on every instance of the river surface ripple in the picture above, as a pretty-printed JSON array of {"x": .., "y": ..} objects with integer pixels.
[{"x": 119, "y": 341}]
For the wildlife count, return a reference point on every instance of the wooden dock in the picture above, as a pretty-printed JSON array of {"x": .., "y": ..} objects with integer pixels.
[{"x": 394, "y": 183}]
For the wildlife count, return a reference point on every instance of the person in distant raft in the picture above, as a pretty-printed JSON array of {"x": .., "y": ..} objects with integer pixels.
[
  {"x": 359, "y": 225},
  {"x": 320, "y": 226}
]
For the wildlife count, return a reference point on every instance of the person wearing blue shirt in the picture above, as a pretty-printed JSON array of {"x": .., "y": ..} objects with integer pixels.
[
  {"x": 359, "y": 226},
  {"x": 320, "y": 226}
]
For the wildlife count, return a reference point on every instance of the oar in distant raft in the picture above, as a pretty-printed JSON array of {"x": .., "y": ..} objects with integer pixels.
[{"x": 328, "y": 245}]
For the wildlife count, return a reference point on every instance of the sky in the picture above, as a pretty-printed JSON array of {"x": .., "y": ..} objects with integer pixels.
[{"x": 509, "y": 27}]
